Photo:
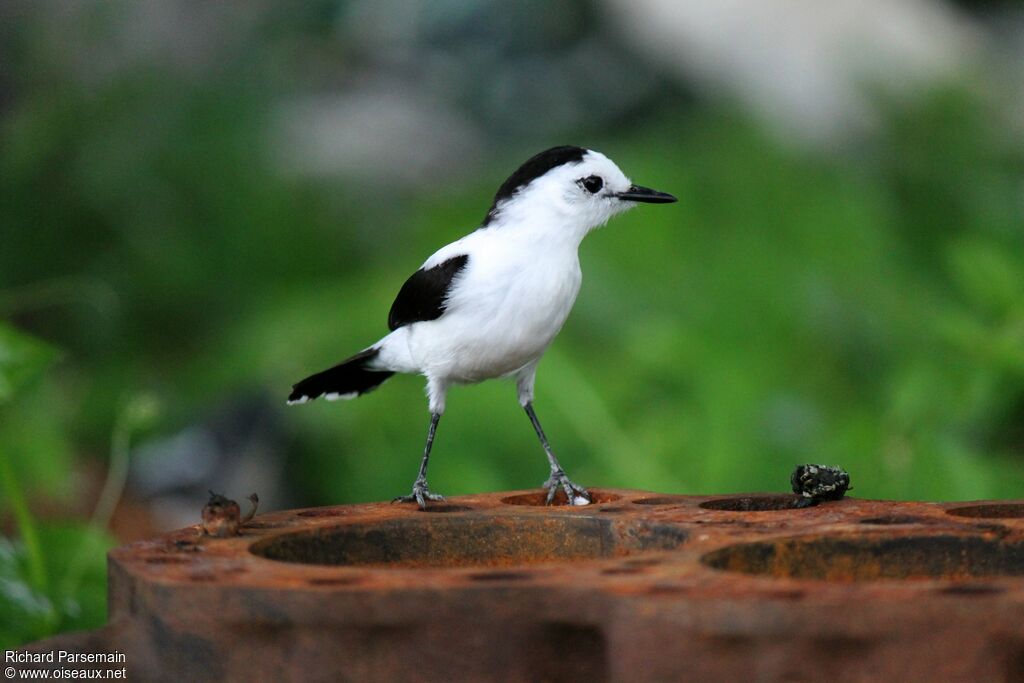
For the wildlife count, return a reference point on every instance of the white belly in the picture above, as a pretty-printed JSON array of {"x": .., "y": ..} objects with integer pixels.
[{"x": 498, "y": 320}]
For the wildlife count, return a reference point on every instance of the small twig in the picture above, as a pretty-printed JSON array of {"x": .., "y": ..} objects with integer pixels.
[{"x": 255, "y": 500}]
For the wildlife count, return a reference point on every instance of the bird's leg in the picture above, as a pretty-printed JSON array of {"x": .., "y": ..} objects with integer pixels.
[
  {"x": 575, "y": 494},
  {"x": 420, "y": 491}
]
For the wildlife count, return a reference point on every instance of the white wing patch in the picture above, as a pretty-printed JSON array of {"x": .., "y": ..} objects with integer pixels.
[{"x": 335, "y": 396}]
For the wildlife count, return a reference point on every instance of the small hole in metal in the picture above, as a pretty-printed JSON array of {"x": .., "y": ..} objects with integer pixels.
[
  {"x": 321, "y": 512},
  {"x": 644, "y": 562},
  {"x": 972, "y": 589},
  {"x": 499, "y": 576},
  {"x": 998, "y": 511},
  {"x": 894, "y": 519},
  {"x": 540, "y": 499},
  {"x": 667, "y": 589},
  {"x": 618, "y": 571},
  {"x": 873, "y": 557},
  {"x": 334, "y": 580},
  {"x": 784, "y": 594},
  {"x": 751, "y": 503},
  {"x": 170, "y": 559},
  {"x": 447, "y": 508},
  {"x": 660, "y": 500}
]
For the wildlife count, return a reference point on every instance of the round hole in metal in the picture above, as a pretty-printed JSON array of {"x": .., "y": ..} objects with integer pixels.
[
  {"x": 872, "y": 557},
  {"x": 994, "y": 511},
  {"x": 469, "y": 540}
]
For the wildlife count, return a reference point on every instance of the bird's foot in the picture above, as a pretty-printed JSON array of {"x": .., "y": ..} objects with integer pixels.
[
  {"x": 420, "y": 495},
  {"x": 574, "y": 493}
]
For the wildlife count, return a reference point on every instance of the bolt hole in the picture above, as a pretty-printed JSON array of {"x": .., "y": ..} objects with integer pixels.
[
  {"x": 667, "y": 589},
  {"x": 1003, "y": 511},
  {"x": 864, "y": 557},
  {"x": 661, "y": 500},
  {"x": 170, "y": 559},
  {"x": 643, "y": 562},
  {"x": 972, "y": 589},
  {"x": 619, "y": 571},
  {"x": 894, "y": 519},
  {"x": 751, "y": 503},
  {"x": 321, "y": 512},
  {"x": 469, "y": 540},
  {"x": 447, "y": 508},
  {"x": 539, "y": 498},
  {"x": 184, "y": 546},
  {"x": 499, "y": 576},
  {"x": 334, "y": 580}
]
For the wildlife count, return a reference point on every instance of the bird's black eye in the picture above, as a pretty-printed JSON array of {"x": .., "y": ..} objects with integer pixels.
[{"x": 592, "y": 184}]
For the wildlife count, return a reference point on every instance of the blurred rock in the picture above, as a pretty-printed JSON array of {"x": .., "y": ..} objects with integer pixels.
[
  {"x": 381, "y": 132},
  {"x": 803, "y": 65}
]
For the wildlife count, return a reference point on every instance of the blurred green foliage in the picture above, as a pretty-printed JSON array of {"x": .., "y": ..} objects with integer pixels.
[
  {"x": 864, "y": 308},
  {"x": 53, "y": 577}
]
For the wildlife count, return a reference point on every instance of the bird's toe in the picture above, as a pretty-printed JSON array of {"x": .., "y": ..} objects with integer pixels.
[
  {"x": 421, "y": 493},
  {"x": 574, "y": 493}
]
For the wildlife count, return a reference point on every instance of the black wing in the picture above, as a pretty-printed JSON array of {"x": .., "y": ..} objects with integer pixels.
[{"x": 424, "y": 296}]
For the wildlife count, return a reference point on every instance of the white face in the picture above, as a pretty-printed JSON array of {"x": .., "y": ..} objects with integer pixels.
[
  {"x": 574, "y": 198},
  {"x": 592, "y": 188}
]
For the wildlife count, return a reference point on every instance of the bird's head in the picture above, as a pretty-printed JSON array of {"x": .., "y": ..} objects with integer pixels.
[{"x": 567, "y": 189}]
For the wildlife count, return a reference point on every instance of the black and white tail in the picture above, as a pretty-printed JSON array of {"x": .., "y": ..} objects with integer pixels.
[{"x": 348, "y": 379}]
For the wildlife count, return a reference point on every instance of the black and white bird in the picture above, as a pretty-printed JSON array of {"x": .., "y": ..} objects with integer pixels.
[{"x": 489, "y": 304}]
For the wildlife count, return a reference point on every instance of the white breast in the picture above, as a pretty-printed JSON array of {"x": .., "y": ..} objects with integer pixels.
[{"x": 504, "y": 311}]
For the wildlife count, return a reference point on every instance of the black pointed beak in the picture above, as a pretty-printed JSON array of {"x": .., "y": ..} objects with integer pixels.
[{"x": 645, "y": 194}]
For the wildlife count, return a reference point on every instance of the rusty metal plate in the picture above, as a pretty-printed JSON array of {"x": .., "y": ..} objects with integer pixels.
[{"x": 636, "y": 587}]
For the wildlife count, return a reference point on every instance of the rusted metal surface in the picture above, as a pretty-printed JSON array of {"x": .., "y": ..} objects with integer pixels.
[{"x": 637, "y": 587}]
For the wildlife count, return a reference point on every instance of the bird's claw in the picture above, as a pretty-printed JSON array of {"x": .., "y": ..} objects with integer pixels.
[
  {"x": 420, "y": 495},
  {"x": 574, "y": 493}
]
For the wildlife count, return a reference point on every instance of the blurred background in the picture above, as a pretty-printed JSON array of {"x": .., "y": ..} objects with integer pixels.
[{"x": 201, "y": 203}]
